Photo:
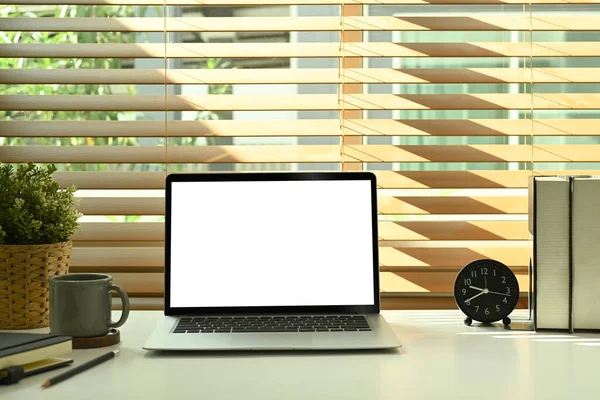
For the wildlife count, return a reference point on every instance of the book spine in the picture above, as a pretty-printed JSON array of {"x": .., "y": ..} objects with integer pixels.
[
  {"x": 571, "y": 199},
  {"x": 532, "y": 230},
  {"x": 586, "y": 253},
  {"x": 551, "y": 253}
]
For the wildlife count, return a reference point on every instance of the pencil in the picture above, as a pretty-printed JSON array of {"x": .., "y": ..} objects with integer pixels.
[{"x": 80, "y": 368}]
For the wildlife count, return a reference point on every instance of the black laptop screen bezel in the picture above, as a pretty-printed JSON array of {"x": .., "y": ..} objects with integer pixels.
[{"x": 271, "y": 176}]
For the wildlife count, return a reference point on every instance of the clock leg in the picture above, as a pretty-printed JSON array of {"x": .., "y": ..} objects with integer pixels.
[
  {"x": 468, "y": 321},
  {"x": 506, "y": 321}
]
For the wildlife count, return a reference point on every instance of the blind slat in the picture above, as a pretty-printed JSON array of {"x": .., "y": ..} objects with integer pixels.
[
  {"x": 120, "y": 231},
  {"x": 488, "y": 101},
  {"x": 389, "y": 257},
  {"x": 387, "y": 205},
  {"x": 140, "y": 284},
  {"x": 303, "y": 24},
  {"x": 208, "y": 3},
  {"x": 475, "y": 179},
  {"x": 385, "y": 179},
  {"x": 301, "y": 154},
  {"x": 121, "y": 206},
  {"x": 111, "y": 180},
  {"x": 388, "y": 231},
  {"x": 299, "y": 76},
  {"x": 429, "y": 283},
  {"x": 453, "y": 230},
  {"x": 452, "y": 205},
  {"x": 127, "y": 257},
  {"x": 301, "y": 50},
  {"x": 315, "y": 127}
]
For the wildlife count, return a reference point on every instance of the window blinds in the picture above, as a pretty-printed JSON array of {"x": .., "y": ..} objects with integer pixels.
[{"x": 453, "y": 103}]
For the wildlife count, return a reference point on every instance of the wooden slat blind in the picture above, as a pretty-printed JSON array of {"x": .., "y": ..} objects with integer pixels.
[
  {"x": 306, "y": 76},
  {"x": 454, "y": 104},
  {"x": 303, "y": 50},
  {"x": 266, "y": 128},
  {"x": 308, "y": 24},
  {"x": 217, "y": 3},
  {"x": 305, "y": 102}
]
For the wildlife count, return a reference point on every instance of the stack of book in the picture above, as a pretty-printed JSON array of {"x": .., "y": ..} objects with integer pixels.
[
  {"x": 564, "y": 219},
  {"x": 25, "y": 354}
]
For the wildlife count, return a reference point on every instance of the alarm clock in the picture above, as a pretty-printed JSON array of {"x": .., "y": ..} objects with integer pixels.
[{"x": 486, "y": 291}]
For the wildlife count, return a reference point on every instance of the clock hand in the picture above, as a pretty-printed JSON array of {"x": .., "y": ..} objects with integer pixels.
[
  {"x": 476, "y": 288},
  {"x": 485, "y": 280},
  {"x": 501, "y": 294},
  {"x": 477, "y": 295}
]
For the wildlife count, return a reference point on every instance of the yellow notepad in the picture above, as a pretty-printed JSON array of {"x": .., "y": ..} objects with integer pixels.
[{"x": 33, "y": 368}]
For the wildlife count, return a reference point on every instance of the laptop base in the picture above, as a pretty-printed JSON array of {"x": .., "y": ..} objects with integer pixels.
[{"x": 380, "y": 337}]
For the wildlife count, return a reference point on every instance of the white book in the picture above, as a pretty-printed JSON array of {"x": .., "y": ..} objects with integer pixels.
[
  {"x": 551, "y": 248},
  {"x": 585, "y": 252}
]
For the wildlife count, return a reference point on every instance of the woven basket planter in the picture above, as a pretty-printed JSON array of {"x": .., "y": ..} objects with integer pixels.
[{"x": 24, "y": 287}]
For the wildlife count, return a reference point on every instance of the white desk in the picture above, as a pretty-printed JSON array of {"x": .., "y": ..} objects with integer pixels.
[{"x": 441, "y": 359}]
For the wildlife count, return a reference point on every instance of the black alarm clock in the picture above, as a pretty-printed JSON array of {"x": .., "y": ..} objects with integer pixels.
[{"x": 486, "y": 291}]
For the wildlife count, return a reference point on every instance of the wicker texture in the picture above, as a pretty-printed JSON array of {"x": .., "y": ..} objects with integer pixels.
[{"x": 24, "y": 286}]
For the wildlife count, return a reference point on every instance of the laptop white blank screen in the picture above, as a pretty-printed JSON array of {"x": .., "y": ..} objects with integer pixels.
[{"x": 271, "y": 243}]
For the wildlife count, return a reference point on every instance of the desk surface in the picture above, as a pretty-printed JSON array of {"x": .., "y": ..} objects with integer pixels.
[{"x": 441, "y": 359}]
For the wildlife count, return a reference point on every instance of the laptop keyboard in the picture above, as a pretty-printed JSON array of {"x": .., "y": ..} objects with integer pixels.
[{"x": 314, "y": 323}]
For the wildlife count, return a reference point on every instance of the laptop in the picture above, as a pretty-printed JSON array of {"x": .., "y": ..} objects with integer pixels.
[{"x": 271, "y": 261}]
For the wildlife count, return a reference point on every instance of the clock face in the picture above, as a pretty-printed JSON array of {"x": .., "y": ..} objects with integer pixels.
[{"x": 486, "y": 290}]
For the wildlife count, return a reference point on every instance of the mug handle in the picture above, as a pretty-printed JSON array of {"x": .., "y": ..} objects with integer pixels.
[{"x": 125, "y": 302}]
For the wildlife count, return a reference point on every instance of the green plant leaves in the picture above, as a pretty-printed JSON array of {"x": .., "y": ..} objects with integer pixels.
[{"x": 33, "y": 207}]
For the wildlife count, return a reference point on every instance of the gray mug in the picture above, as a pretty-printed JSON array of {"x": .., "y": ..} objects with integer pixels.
[{"x": 80, "y": 305}]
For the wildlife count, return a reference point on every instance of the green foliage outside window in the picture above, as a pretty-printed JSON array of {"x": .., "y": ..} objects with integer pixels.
[
  {"x": 80, "y": 89},
  {"x": 36, "y": 232},
  {"x": 64, "y": 63}
]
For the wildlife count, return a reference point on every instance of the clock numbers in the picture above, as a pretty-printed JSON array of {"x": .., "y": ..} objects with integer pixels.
[{"x": 486, "y": 291}]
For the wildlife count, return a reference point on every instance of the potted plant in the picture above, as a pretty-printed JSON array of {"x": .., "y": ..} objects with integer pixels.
[{"x": 37, "y": 218}]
